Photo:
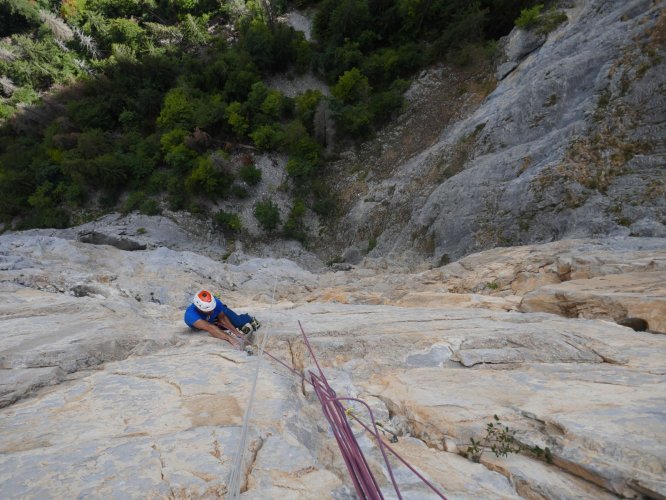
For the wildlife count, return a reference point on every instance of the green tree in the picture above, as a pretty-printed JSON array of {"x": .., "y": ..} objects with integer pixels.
[
  {"x": 255, "y": 98},
  {"x": 17, "y": 16},
  {"x": 353, "y": 121},
  {"x": 109, "y": 171},
  {"x": 195, "y": 31},
  {"x": 237, "y": 119},
  {"x": 250, "y": 174},
  {"x": 268, "y": 137},
  {"x": 177, "y": 110},
  {"x": 341, "y": 19},
  {"x": 228, "y": 222},
  {"x": 206, "y": 179},
  {"x": 267, "y": 214},
  {"x": 126, "y": 32},
  {"x": 294, "y": 227},
  {"x": 273, "y": 105},
  {"x": 306, "y": 106},
  {"x": 258, "y": 41},
  {"x": 529, "y": 17},
  {"x": 352, "y": 87}
]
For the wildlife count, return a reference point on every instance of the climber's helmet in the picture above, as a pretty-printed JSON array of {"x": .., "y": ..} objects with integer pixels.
[{"x": 204, "y": 301}]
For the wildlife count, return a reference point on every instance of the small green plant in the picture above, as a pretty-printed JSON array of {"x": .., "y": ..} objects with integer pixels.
[
  {"x": 141, "y": 230},
  {"x": 624, "y": 221},
  {"x": 239, "y": 191},
  {"x": 294, "y": 227},
  {"x": 372, "y": 243},
  {"x": 195, "y": 208},
  {"x": 551, "y": 20},
  {"x": 227, "y": 221},
  {"x": 501, "y": 440},
  {"x": 250, "y": 174},
  {"x": 267, "y": 214},
  {"x": 604, "y": 99},
  {"x": 133, "y": 202},
  {"x": 150, "y": 207},
  {"x": 545, "y": 22},
  {"x": 492, "y": 285},
  {"x": 529, "y": 18}
]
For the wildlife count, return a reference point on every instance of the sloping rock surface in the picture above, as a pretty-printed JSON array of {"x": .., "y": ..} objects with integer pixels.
[
  {"x": 570, "y": 144},
  {"x": 620, "y": 297},
  {"x": 106, "y": 392}
]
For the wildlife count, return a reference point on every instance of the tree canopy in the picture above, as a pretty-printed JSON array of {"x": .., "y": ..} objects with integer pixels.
[{"x": 101, "y": 98}]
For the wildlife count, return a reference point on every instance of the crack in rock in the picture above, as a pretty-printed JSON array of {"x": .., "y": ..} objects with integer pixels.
[
  {"x": 255, "y": 447},
  {"x": 150, "y": 377},
  {"x": 225, "y": 357}
]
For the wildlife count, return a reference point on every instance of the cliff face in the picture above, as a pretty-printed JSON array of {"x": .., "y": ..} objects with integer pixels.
[
  {"x": 105, "y": 392},
  {"x": 571, "y": 143}
]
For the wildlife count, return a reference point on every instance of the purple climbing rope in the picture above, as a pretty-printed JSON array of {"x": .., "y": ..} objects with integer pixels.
[{"x": 336, "y": 414}]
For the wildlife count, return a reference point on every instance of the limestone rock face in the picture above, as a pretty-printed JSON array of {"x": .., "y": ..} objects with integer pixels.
[
  {"x": 570, "y": 144},
  {"x": 98, "y": 238},
  {"x": 518, "y": 45},
  {"x": 106, "y": 393},
  {"x": 628, "y": 295}
]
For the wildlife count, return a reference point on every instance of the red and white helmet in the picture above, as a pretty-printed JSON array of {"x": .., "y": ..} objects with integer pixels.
[{"x": 204, "y": 301}]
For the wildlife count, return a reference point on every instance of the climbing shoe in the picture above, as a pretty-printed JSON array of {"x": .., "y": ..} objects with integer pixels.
[
  {"x": 248, "y": 334},
  {"x": 255, "y": 324}
]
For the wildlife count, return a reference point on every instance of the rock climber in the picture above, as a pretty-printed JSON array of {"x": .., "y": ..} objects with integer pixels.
[{"x": 208, "y": 313}]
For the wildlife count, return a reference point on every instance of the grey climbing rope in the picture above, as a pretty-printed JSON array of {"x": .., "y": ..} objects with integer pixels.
[{"x": 234, "y": 485}]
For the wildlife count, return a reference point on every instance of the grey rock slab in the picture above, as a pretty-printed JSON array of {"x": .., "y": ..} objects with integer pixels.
[
  {"x": 594, "y": 451},
  {"x": 111, "y": 303},
  {"x": 161, "y": 275},
  {"x": 591, "y": 372},
  {"x": 451, "y": 474},
  {"x": 515, "y": 47},
  {"x": 580, "y": 421},
  {"x": 179, "y": 231},
  {"x": 47, "y": 335},
  {"x": 162, "y": 424},
  {"x": 99, "y": 238},
  {"x": 586, "y": 371},
  {"x": 520, "y": 167},
  {"x": 434, "y": 356},
  {"x": 283, "y": 463},
  {"x": 518, "y": 270},
  {"x": 161, "y": 411},
  {"x": 534, "y": 479},
  {"x": 18, "y": 383}
]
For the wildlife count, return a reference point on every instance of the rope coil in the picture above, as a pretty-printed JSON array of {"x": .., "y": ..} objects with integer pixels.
[{"x": 336, "y": 414}]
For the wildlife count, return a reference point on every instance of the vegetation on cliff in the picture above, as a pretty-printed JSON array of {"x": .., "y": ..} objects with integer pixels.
[{"x": 122, "y": 104}]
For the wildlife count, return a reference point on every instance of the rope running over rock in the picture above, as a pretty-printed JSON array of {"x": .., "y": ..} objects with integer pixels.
[{"x": 364, "y": 482}]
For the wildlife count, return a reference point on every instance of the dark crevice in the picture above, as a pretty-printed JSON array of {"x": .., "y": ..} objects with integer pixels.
[{"x": 636, "y": 324}]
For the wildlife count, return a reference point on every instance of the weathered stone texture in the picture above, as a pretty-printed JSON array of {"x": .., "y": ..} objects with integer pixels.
[
  {"x": 106, "y": 392},
  {"x": 570, "y": 144}
]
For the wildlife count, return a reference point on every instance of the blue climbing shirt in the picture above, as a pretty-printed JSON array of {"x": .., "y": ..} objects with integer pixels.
[{"x": 192, "y": 314}]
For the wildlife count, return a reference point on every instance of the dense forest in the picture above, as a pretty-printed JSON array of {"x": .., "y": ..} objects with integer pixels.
[{"x": 131, "y": 104}]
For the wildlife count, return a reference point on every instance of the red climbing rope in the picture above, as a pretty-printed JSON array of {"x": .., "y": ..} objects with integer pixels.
[{"x": 336, "y": 414}]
